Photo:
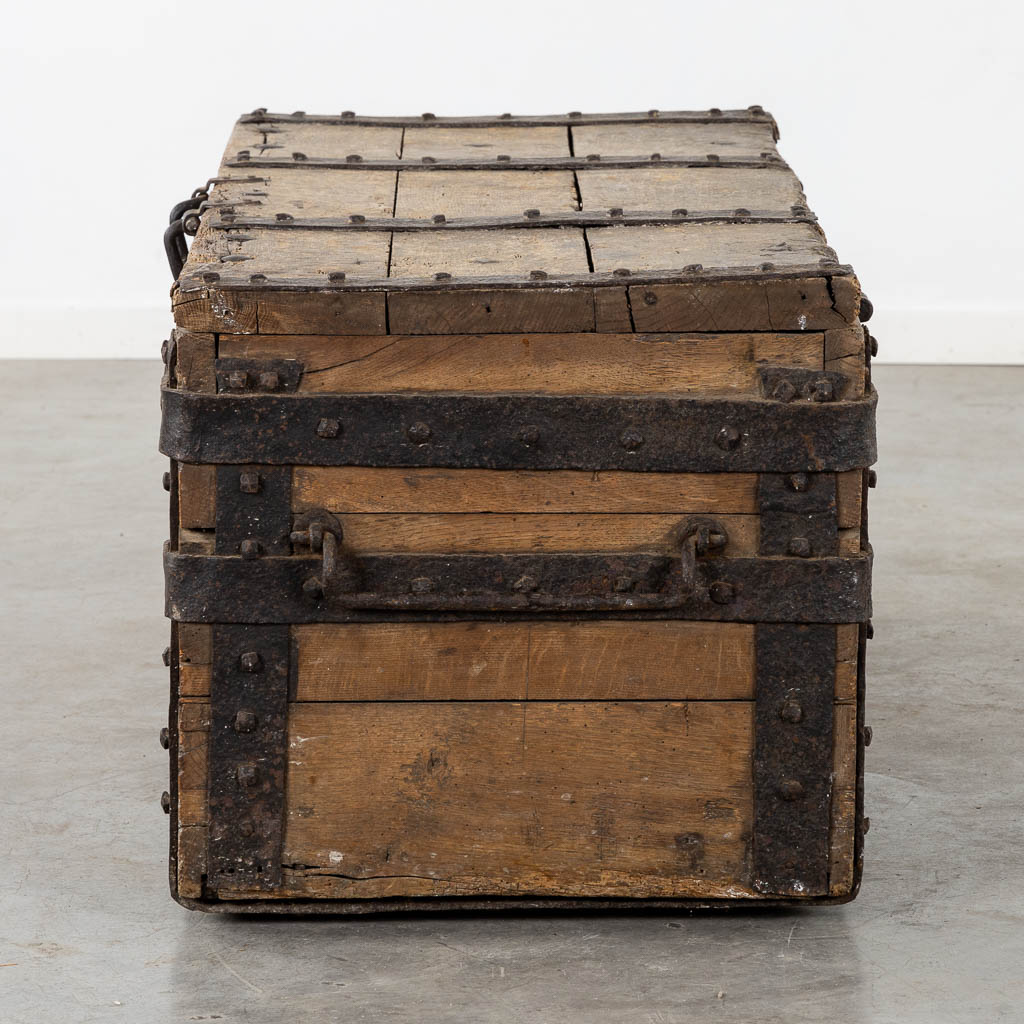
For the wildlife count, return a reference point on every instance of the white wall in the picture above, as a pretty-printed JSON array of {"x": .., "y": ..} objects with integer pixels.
[{"x": 903, "y": 119}]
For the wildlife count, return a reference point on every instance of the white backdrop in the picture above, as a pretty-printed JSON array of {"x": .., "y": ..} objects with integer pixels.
[{"x": 903, "y": 119}]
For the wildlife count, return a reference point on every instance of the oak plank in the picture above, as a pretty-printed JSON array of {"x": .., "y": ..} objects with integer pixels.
[
  {"x": 410, "y": 661},
  {"x": 326, "y": 141},
  {"x": 545, "y": 798},
  {"x": 454, "y": 533},
  {"x": 195, "y": 643},
  {"x": 844, "y": 801},
  {"x": 847, "y": 658},
  {"x": 849, "y": 493},
  {"x": 485, "y": 142},
  {"x": 349, "y": 489},
  {"x": 194, "y": 680},
  {"x": 540, "y": 363},
  {"x": 484, "y": 193},
  {"x": 197, "y": 497},
  {"x": 846, "y": 353},
  {"x": 730, "y": 141},
  {"x": 194, "y": 361},
  {"x": 611, "y": 311}
]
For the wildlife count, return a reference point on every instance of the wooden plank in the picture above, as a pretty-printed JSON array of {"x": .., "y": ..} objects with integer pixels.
[
  {"x": 591, "y": 799},
  {"x": 196, "y": 542},
  {"x": 849, "y": 541},
  {"x": 248, "y": 311},
  {"x": 197, "y": 497},
  {"x": 845, "y": 353},
  {"x": 664, "y": 189},
  {"x": 484, "y": 193},
  {"x": 193, "y": 842},
  {"x": 844, "y": 801},
  {"x": 715, "y": 245},
  {"x": 485, "y": 143},
  {"x": 334, "y": 141},
  {"x": 347, "y": 489},
  {"x": 611, "y": 311},
  {"x": 849, "y": 491},
  {"x": 847, "y": 654},
  {"x": 194, "y": 361},
  {"x": 458, "y": 533},
  {"x": 194, "y": 680},
  {"x": 310, "y": 192},
  {"x": 544, "y": 363},
  {"x": 601, "y": 660},
  {"x": 483, "y": 253},
  {"x": 193, "y": 814},
  {"x": 489, "y": 311},
  {"x": 730, "y": 141},
  {"x": 772, "y": 304},
  {"x": 195, "y": 643}
]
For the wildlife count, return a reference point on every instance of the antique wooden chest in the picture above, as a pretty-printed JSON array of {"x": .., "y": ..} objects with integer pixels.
[{"x": 518, "y": 548}]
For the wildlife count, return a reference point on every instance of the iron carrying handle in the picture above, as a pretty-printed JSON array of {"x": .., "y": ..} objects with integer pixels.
[
  {"x": 183, "y": 220},
  {"x": 342, "y": 579}
]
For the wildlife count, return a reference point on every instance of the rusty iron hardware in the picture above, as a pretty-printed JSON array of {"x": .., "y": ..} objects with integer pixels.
[
  {"x": 165, "y": 802},
  {"x": 201, "y": 280},
  {"x": 247, "y": 755},
  {"x": 276, "y": 589},
  {"x": 165, "y": 738},
  {"x": 754, "y": 114},
  {"x": 798, "y": 514},
  {"x": 539, "y": 163},
  {"x": 174, "y": 236},
  {"x": 240, "y": 376},
  {"x": 680, "y": 434},
  {"x": 795, "y": 683},
  {"x": 253, "y": 511},
  {"x": 529, "y": 219},
  {"x": 867, "y": 309},
  {"x": 788, "y": 384}
]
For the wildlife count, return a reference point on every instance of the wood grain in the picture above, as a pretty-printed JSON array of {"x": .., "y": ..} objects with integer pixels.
[
  {"x": 601, "y": 660},
  {"x": 540, "y": 363},
  {"x": 335, "y": 141},
  {"x": 194, "y": 361},
  {"x": 849, "y": 493},
  {"x": 485, "y": 143},
  {"x": 730, "y": 141},
  {"x": 846, "y": 353},
  {"x": 844, "y": 801},
  {"x": 598, "y": 799},
  {"x": 847, "y": 655},
  {"x": 197, "y": 497},
  {"x": 347, "y": 489},
  {"x": 484, "y": 193}
]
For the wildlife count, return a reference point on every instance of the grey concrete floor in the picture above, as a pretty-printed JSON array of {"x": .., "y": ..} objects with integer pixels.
[{"x": 88, "y": 931}]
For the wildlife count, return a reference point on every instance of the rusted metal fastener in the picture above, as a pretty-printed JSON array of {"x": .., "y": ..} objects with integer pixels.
[
  {"x": 328, "y": 428},
  {"x": 531, "y": 214},
  {"x": 715, "y": 112},
  {"x": 427, "y": 116},
  {"x": 631, "y": 440},
  {"x": 299, "y": 157},
  {"x": 283, "y": 217},
  {"x": 504, "y": 158},
  {"x": 247, "y": 828},
  {"x": 439, "y": 218},
  {"x": 798, "y": 481},
  {"x": 714, "y": 158},
  {"x": 615, "y": 211},
  {"x": 167, "y": 480},
  {"x": 872, "y": 478},
  {"x": 165, "y": 738},
  {"x": 767, "y": 267},
  {"x": 822, "y": 390},
  {"x": 166, "y": 656},
  {"x": 238, "y": 380},
  {"x": 869, "y": 630},
  {"x": 419, "y": 433},
  {"x": 791, "y": 789},
  {"x": 866, "y": 826},
  {"x": 336, "y": 277},
  {"x": 250, "y": 549},
  {"x": 245, "y": 720},
  {"x": 799, "y": 547},
  {"x": 593, "y": 157},
  {"x": 722, "y": 592},
  {"x": 269, "y": 380},
  {"x": 784, "y": 391},
  {"x": 211, "y": 277},
  {"x": 873, "y": 345},
  {"x": 756, "y": 108},
  {"x": 348, "y": 114},
  {"x": 250, "y": 661},
  {"x": 249, "y": 482},
  {"x": 529, "y": 435},
  {"x": 165, "y": 801},
  {"x": 727, "y": 438},
  {"x": 353, "y": 158},
  {"x": 421, "y": 585},
  {"x": 693, "y": 268},
  {"x": 538, "y": 275},
  {"x": 867, "y": 309},
  {"x": 442, "y": 275},
  {"x": 650, "y": 299},
  {"x": 623, "y": 585},
  {"x": 680, "y": 212},
  {"x": 741, "y": 211},
  {"x": 791, "y": 712},
  {"x": 313, "y": 588},
  {"x": 257, "y": 278},
  {"x": 248, "y": 775},
  {"x": 427, "y": 160},
  {"x": 575, "y": 113},
  {"x": 524, "y": 585},
  {"x": 622, "y": 272}
]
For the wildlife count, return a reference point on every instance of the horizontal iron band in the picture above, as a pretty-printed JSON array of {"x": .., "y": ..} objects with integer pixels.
[
  {"x": 196, "y": 279},
  {"x": 533, "y": 121},
  {"x": 213, "y": 588},
  {"x": 516, "y": 163},
  {"x": 578, "y": 219},
  {"x": 645, "y": 434}
]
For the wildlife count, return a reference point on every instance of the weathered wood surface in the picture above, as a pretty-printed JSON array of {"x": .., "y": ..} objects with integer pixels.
[
  {"x": 591, "y": 799},
  {"x": 846, "y": 663},
  {"x": 195, "y": 657},
  {"x": 545, "y": 363},
  {"x": 309, "y": 192},
  {"x": 689, "y": 188},
  {"x": 197, "y": 497},
  {"x": 601, "y": 660},
  {"x": 460, "y": 533},
  {"x": 844, "y": 800},
  {"x": 371, "y": 142},
  {"x": 345, "y": 489},
  {"x": 485, "y": 143},
  {"x": 193, "y": 812},
  {"x": 484, "y": 193},
  {"x": 745, "y": 141}
]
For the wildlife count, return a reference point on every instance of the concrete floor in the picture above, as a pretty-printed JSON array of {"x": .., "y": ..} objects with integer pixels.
[{"x": 87, "y": 929}]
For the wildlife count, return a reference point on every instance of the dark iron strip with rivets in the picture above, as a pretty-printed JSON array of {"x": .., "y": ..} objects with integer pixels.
[
  {"x": 528, "y": 219},
  {"x": 418, "y": 587},
  {"x": 793, "y": 756},
  {"x": 750, "y": 115},
  {"x": 505, "y": 162},
  {"x": 648, "y": 433}
]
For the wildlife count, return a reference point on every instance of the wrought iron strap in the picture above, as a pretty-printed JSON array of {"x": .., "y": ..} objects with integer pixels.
[
  {"x": 210, "y": 588},
  {"x": 793, "y": 755},
  {"x": 248, "y": 755},
  {"x": 648, "y": 434}
]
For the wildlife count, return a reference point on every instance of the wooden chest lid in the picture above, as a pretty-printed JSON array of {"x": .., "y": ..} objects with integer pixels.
[{"x": 338, "y": 223}]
